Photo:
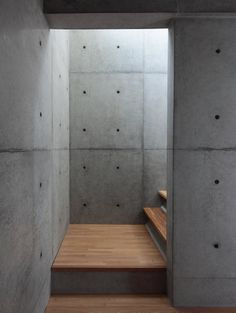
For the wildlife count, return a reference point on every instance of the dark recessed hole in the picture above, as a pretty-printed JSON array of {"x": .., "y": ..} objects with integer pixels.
[
  {"x": 84, "y": 204},
  {"x": 217, "y": 117},
  {"x": 118, "y": 91},
  {"x": 41, "y": 254},
  {"x": 216, "y": 245},
  {"x": 118, "y": 130},
  {"x": 40, "y": 185},
  {"x": 84, "y": 47},
  {"x": 117, "y": 167},
  {"x": 40, "y": 114},
  {"x": 84, "y": 167},
  {"x": 118, "y": 205},
  {"x": 84, "y": 92},
  {"x": 218, "y": 51},
  {"x": 84, "y": 129},
  {"x": 118, "y": 47},
  {"x": 217, "y": 181},
  {"x": 40, "y": 43}
]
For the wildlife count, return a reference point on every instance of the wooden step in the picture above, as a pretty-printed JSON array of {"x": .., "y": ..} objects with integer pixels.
[
  {"x": 108, "y": 259},
  {"x": 163, "y": 194},
  {"x": 158, "y": 219},
  {"x": 122, "y": 304},
  {"x": 108, "y": 247}
]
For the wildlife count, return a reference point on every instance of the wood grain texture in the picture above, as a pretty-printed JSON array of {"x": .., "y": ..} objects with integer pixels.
[
  {"x": 121, "y": 304},
  {"x": 108, "y": 247},
  {"x": 158, "y": 219},
  {"x": 163, "y": 194}
]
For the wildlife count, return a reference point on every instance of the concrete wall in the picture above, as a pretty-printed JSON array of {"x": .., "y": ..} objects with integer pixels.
[
  {"x": 118, "y": 109},
  {"x": 203, "y": 163},
  {"x": 29, "y": 143}
]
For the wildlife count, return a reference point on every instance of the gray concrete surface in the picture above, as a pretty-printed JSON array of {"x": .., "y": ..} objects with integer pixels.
[
  {"x": 139, "y": 6},
  {"x": 109, "y": 190},
  {"x": 108, "y": 21},
  {"x": 118, "y": 113},
  {"x": 27, "y": 145},
  {"x": 201, "y": 196},
  {"x": 60, "y": 154},
  {"x": 98, "y": 6},
  {"x": 128, "y": 14}
]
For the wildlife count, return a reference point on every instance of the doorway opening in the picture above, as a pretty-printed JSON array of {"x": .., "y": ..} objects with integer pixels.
[{"x": 118, "y": 163}]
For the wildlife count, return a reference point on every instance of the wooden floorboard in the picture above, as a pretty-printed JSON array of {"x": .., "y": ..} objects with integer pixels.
[
  {"x": 121, "y": 304},
  {"x": 163, "y": 194},
  {"x": 158, "y": 219},
  {"x": 108, "y": 247}
]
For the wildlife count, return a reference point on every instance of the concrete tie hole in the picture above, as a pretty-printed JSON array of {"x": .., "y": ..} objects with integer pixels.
[
  {"x": 40, "y": 114},
  {"x": 218, "y": 51},
  {"x": 40, "y": 185},
  {"x": 118, "y": 91},
  {"x": 118, "y": 205},
  {"x": 217, "y": 181},
  {"x": 84, "y": 205},
  {"x": 216, "y": 245},
  {"x": 117, "y": 130},
  {"x": 217, "y": 116},
  {"x": 84, "y": 47},
  {"x": 84, "y": 92},
  {"x": 84, "y": 129}
]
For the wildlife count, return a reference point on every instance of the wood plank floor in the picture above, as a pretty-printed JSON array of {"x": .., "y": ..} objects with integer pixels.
[
  {"x": 121, "y": 304},
  {"x": 158, "y": 219},
  {"x": 108, "y": 247}
]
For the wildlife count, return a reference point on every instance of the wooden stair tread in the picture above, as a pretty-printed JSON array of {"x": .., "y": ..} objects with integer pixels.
[
  {"x": 108, "y": 248},
  {"x": 163, "y": 194},
  {"x": 120, "y": 303},
  {"x": 158, "y": 219}
]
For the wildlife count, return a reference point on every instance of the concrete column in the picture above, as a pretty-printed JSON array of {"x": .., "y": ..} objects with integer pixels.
[{"x": 202, "y": 162}]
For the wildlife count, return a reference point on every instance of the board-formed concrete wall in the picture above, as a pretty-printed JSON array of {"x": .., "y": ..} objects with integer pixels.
[
  {"x": 118, "y": 112},
  {"x": 203, "y": 163},
  {"x": 32, "y": 152}
]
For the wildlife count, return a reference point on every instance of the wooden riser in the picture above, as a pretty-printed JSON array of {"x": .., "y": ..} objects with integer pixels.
[{"x": 109, "y": 282}]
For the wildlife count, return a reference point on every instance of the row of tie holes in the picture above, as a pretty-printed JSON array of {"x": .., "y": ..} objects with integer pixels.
[{"x": 216, "y": 245}]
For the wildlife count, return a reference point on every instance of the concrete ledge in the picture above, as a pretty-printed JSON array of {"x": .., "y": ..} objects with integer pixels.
[
  {"x": 139, "y": 6},
  {"x": 109, "y": 20},
  {"x": 112, "y": 6}
]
